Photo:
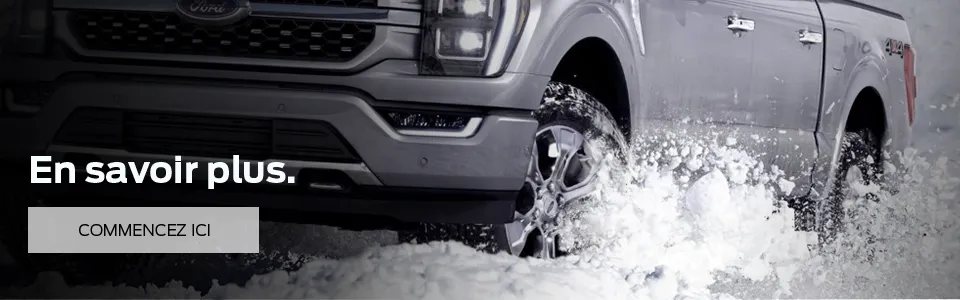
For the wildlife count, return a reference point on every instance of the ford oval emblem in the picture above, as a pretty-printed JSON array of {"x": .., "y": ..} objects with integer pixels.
[{"x": 213, "y": 12}]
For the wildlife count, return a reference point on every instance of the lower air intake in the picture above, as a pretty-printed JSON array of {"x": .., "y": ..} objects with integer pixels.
[{"x": 205, "y": 135}]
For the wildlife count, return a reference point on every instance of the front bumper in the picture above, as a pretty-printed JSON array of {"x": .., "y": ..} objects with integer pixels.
[
  {"x": 495, "y": 158},
  {"x": 486, "y": 166},
  {"x": 409, "y": 178}
]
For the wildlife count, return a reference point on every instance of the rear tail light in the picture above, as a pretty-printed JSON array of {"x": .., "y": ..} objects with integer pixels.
[{"x": 910, "y": 80}]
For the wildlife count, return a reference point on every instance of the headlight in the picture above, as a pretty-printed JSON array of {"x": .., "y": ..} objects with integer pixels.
[
  {"x": 32, "y": 25},
  {"x": 470, "y": 37}
]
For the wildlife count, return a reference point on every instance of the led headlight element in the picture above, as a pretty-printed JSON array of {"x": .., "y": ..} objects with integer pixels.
[
  {"x": 462, "y": 44},
  {"x": 405, "y": 119},
  {"x": 470, "y": 37},
  {"x": 432, "y": 124},
  {"x": 465, "y": 8}
]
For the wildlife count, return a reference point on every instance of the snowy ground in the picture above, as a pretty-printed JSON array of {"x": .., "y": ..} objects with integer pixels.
[
  {"x": 656, "y": 235},
  {"x": 693, "y": 219}
]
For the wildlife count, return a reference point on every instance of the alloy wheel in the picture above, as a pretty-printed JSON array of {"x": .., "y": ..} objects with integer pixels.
[{"x": 563, "y": 170}]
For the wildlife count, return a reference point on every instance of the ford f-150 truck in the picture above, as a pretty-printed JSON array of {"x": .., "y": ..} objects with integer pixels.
[{"x": 475, "y": 120}]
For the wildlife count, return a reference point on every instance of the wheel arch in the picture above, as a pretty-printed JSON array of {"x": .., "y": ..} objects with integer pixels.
[
  {"x": 867, "y": 93},
  {"x": 867, "y": 79},
  {"x": 596, "y": 29}
]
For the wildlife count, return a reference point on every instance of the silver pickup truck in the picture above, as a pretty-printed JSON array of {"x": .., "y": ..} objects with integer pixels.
[{"x": 474, "y": 120}]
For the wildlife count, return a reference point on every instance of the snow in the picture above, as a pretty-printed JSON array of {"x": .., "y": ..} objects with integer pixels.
[
  {"x": 667, "y": 231},
  {"x": 649, "y": 236},
  {"x": 706, "y": 230},
  {"x": 434, "y": 271},
  {"x": 658, "y": 239},
  {"x": 689, "y": 219}
]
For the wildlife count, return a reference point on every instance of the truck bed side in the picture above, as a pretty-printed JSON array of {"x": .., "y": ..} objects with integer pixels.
[{"x": 866, "y": 53}]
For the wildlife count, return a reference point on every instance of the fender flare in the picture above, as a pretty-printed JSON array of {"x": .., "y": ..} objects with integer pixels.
[
  {"x": 866, "y": 74},
  {"x": 581, "y": 21}
]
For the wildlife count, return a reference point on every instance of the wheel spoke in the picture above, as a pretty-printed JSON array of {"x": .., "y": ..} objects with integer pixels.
[
  {"x": 534, "y": 177},
  {"x": 569, "y": 160},
  {"x": 568, "y": 142},
  {"x": 579, "y": 192},
  {"x": 586, "y": 185},
  {"x": 523, "y": 218},
  {"x": 548, "y": 245},
  {"x": 518, "y": 232}
]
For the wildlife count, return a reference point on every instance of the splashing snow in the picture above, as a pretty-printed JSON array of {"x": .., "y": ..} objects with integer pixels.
[{"x": 687, "y": 219}]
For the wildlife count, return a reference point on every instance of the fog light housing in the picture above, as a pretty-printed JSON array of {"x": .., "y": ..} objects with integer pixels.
[
  {"x": 433, "y": 124},
  {"x": 24, "y": 100}
]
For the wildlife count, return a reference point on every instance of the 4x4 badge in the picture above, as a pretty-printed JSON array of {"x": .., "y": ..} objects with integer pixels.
[{"x": 213, "y": 12}]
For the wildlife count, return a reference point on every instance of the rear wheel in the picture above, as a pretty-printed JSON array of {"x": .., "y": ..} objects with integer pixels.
[
  {"x": 859, "y": 164},
  {"x": 575, "y": 129}
]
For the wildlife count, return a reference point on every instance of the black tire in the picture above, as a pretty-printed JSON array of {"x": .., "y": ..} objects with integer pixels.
[
  {"x": 859, "y": 149},
  {"x": 562, "y": 104}
]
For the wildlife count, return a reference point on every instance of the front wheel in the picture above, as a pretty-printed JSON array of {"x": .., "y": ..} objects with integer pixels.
[{"x": 575, "y": 130}]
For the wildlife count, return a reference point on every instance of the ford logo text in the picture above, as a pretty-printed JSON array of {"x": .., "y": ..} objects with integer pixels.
[{"x": 213, "y": 12}]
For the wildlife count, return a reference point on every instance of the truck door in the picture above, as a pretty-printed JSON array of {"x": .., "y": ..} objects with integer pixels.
[
  {"x": 787, "y": 63},
  {"x": 785, "y": 92},
  {"x": 698, "y": 60}
]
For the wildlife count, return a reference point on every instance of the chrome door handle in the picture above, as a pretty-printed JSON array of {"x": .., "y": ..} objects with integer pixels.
[
  {"x": 808, "y": 37},
  {"x": 738, "y": 24}
]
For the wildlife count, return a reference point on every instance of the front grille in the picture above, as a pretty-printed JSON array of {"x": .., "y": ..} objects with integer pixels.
[
  {"x": 341, "y": 3},
  {"x": 205, "y": 136},
  {"x": 254, "y": 37}
]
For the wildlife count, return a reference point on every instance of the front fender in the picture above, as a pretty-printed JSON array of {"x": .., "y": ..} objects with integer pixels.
[{"x": 555, "y": 26}]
